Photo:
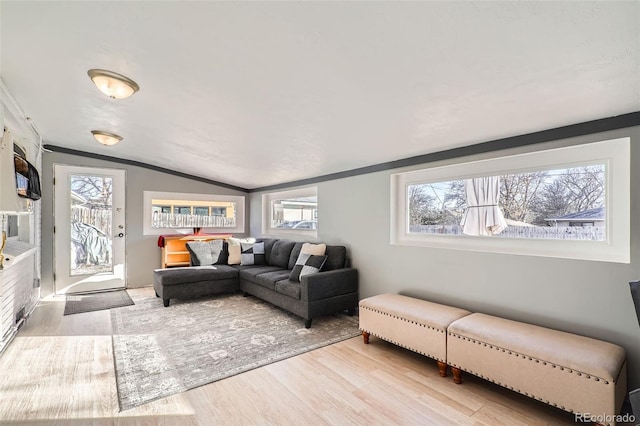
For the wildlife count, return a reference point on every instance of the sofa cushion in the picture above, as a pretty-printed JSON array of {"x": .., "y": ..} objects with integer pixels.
[
  {"x": 252, "y": 254},
  {"x": 288, "y": 288},
  {"x": 190, "y": 274},
  {"x": 269, "y": 279},
  {"x": 306, "y": 264},
  {"x": 336, "y": 258},
  {"x": 204, "y": 252},
  {"x": 280, "y": 253},
  {"x": 241, "y": 267},
  {"x": 295, "y": 253},
  {"x": 268, "y": 245},
  {"x": 251, "y": 272}
]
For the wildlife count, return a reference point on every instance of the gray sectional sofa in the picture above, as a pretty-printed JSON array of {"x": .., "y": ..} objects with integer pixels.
[{"x": 333, "y": 289}]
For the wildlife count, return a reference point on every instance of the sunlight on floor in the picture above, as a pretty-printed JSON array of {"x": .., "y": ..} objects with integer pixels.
[{"x": 70, "y": 377}]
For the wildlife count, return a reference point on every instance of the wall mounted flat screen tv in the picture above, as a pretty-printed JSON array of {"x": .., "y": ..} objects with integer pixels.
[{"x": 27, "y": 178}]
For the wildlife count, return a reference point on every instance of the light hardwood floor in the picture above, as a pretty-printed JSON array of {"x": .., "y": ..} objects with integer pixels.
[{"x": 59, "y": 370}]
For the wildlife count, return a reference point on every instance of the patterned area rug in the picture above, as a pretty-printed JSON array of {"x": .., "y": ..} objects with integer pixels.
[
  {"x": 78, "y": 303},
  {"x": 162, "y": 351}
]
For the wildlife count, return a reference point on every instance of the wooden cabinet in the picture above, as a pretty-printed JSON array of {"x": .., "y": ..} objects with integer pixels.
[{"x": 175, "y": 253}]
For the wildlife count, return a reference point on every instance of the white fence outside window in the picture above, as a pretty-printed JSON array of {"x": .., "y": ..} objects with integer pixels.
[
  {"x": 170, "y": 220},
  {"x": 580, "y": 233}
]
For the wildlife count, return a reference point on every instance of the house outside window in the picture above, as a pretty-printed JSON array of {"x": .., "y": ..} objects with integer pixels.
[
  {"x": 201, "y": 211},
  {"x": 587, "y": 218},
  {"x": 182, "y": 210},
  {"x": 581, "y": 224},
  {"x": 291, "y": 212},
  {"x": 571, "y": 202}
]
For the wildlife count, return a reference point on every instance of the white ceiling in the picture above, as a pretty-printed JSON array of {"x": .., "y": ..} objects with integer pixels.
[{"x": 262, "y": 93}]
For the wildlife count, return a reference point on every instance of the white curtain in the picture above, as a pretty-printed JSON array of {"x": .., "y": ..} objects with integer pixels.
[{"x": 483, "y": 216}]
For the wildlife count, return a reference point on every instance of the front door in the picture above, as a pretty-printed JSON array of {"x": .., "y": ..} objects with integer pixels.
[{"x": 89, "y": 233}]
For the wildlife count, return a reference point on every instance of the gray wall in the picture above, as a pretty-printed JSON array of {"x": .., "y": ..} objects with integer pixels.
[
  {"x": 585, "y": 297},
  {"x": 143, "y": 254}
]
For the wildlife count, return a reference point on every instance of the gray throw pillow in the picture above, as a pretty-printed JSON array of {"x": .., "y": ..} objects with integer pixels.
[
  {"x": 305, "y": 265},
  {"x": 252, "y": 254},
  {"x": 204, "y": 252},
  {"x": 216, "y": 250}
]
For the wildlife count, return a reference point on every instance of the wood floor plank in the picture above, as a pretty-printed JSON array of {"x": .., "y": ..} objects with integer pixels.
[
  {"x": 60, "y": 373},
  {"x": 323, "y": 391},
  {"x": 60, "y": 370}
]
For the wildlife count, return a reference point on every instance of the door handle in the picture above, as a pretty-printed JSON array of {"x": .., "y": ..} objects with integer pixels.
[{"x": 120, "y": 235}]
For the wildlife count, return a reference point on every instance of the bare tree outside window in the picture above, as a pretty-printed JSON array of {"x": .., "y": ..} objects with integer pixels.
[
  {"x": 96, "y": 189},
  {"x": 519, "y": 194},
  {"x": 91, "y": 224},
  {"x": 539, "y": 204}
]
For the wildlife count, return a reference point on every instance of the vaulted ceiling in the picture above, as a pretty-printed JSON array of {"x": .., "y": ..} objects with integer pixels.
[{"x": 262, "y": 93}]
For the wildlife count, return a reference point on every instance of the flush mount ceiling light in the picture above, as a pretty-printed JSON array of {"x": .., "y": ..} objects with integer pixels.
[
  {"x": 106, "y": 138},
  {"x": 112, "y": 84}
]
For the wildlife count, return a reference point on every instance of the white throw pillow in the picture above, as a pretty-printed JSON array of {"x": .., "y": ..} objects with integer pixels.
[{"x": 314, "y": 249}]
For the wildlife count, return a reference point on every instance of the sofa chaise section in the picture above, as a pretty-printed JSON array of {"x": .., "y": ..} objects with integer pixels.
[{"x": 194, "y": 281}]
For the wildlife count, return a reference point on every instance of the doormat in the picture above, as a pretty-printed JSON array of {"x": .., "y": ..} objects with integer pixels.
[
  {"x": 162, "y": 351},
  {"x": 78, "y": 303}
]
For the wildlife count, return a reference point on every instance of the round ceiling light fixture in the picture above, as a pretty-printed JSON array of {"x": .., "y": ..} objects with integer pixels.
[
  {"x": 112, "y": 84},
  {"x": 106, "y": 138}
]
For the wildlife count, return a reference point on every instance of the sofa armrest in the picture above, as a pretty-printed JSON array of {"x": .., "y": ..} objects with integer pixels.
[{"x": 328, "y": 284}]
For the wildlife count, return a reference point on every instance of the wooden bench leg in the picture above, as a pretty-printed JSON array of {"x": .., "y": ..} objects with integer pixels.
[
  {"x": 365, "y": 337},
  {"x": 457, "y": 375},
  {"x": 442, "y": 366}
]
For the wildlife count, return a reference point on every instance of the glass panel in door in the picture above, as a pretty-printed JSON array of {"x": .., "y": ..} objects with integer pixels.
[{"x": 91, "y": 227}]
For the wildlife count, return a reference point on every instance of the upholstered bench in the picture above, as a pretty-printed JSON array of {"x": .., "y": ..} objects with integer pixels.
[
  {"x": 194, "y": 281},
  {"x": 575, "y": 373},
  {"x": 414, "y": 324}
]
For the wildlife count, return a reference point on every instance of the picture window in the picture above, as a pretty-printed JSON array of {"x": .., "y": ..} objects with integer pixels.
[{"x": 571, "y": 202}]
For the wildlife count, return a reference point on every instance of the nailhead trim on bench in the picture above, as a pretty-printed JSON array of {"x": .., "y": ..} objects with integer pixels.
[
  {"x": 402, "y": 319},
  {"x": 512, "y": 388},
  {"x": 395, "y": 316},
  {"x": 403, "y": 346},
  {"x": 517, "y": 354}
]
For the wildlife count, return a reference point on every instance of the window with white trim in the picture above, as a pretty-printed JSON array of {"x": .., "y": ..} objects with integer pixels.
[
  {"x": 291, "y": 212},
  {"x": 571, "y": 202},
  {"x": 174, "y": 212}
]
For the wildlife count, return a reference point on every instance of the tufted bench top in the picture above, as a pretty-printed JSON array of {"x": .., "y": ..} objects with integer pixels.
[
  {"x": 423, "y": 312},
  {"x": 582, "y": 355}
]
